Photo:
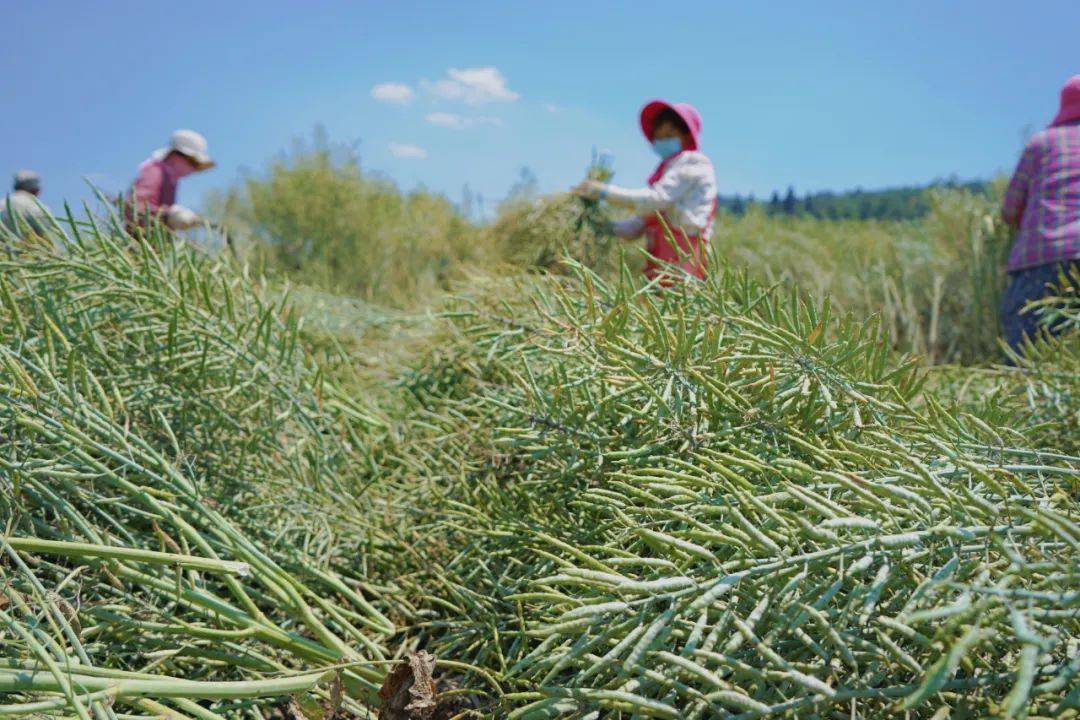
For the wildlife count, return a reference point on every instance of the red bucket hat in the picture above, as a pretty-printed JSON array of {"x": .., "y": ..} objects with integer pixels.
[
  {"x": 1070, "y": 102},
  {"x": 687, "y": 112}
]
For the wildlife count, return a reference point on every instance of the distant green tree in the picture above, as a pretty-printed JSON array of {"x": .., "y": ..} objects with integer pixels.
[
  {"x": 468, "y": 201},
  {"x": 526, "y": 187},
  {"x": 790, "y": 204},
  {"x": 774, "y": 203}
]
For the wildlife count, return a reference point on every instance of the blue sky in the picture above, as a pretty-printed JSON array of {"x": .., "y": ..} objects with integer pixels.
[{"x": 830, "y": 94}]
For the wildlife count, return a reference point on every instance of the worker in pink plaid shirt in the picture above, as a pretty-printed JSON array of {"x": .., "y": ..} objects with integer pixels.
[{"x": 1043, "y": 203}]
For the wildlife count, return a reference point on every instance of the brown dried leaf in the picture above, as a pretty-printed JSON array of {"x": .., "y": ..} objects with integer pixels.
[
  {"x": 293, "y": 711},
  {"x": 333, "y": 703},
  {"x": 68, "y": 610},
  {"x": 165, "y": 539},
  {"x": 290, "y": 708},
  {"x": 408, "y": 692}
]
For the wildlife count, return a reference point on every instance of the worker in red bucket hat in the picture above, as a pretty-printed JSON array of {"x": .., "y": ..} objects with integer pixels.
[{"x": 675, "y": 211}]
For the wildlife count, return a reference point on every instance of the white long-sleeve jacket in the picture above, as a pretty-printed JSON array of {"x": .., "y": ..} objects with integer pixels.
[
  {"x": 685, "y": 193},
  {"x": 24, "y": 205}
]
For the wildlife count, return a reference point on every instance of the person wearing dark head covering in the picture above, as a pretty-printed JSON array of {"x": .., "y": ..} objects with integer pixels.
[
  {"x": 1043, "y": 204},
  {"x": 21, "y": 210}
]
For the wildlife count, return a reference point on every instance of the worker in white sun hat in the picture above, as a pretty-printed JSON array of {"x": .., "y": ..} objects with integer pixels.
[
  {"x": 153, "y": 193},
  {"x": 21, "y": 210}
]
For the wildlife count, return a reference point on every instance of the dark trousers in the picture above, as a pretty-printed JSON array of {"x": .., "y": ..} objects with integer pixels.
[{"x": 1026, "y": 286}]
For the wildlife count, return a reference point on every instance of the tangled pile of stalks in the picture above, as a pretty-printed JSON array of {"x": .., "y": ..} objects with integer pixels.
[
  {"x": 552, "y": 232},
  {"x": 164, "y": 437},
  {"x": 717, "y": 501},
  {"x": 585, "y": 498}
]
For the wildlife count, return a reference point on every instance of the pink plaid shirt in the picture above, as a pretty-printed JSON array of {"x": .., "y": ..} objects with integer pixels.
[
  {"x": 155, "y": 187},
  {"x": 1043, "y": 199}
]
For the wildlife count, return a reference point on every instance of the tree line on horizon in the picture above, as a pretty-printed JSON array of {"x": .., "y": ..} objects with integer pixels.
[{"x": 899, "y": 203}]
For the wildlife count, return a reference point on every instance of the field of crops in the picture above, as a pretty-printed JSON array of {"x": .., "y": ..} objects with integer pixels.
[{"x": 535, "y": 494}]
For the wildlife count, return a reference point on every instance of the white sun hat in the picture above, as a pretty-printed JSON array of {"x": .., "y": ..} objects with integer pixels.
[{"x": 191, "y": 144}]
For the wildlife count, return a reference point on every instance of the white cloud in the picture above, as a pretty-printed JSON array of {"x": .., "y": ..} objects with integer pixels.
[
  {"x": 392, "y": 92},
  {"x": 457, "y": 122},
  {"x": 473, "y": 86},
  {"x": 551, "y": 108},
  {"x": 448, "y": 120},
  {"x": 407, "y": 151}
]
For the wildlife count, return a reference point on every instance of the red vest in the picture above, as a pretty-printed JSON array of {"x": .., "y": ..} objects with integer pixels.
[{"x": 687, "y": 252}]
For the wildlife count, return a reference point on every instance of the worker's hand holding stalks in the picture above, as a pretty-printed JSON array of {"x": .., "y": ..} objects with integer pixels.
[
  {"x": 588, "y": 189},
  {"x": 181, "y": 218}
]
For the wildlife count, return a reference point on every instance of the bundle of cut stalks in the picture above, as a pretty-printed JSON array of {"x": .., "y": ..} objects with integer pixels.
[
  {"x": 584, "y": 498},
  {"x": 714, "y": 500},
  {"x": 164, "y": 439}
]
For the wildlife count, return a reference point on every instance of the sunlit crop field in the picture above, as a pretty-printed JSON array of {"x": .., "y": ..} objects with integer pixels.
[{"x": 389, "y": 462}]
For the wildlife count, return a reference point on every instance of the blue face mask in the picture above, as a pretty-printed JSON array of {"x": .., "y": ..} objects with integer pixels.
[{"x": 666, "y": 147}]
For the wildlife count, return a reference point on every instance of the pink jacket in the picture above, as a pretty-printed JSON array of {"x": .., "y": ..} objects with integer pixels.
[{"x": 154, "y": 190}]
